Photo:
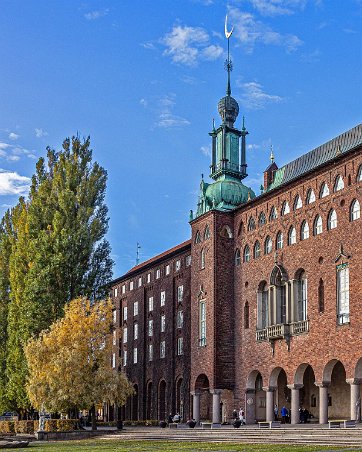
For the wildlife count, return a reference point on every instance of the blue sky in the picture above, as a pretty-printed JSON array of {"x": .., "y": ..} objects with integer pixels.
[{"x": 143, "y": 78}]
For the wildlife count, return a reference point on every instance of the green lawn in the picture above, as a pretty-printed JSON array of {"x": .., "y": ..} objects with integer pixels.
[{"x": 169, "y": 446}]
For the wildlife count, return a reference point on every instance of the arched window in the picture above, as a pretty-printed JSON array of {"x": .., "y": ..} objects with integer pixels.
[
  {"x": 324, "y": 191},
  {"x": 278, "y": 291},
  {"x": 262, "y": 303},
  {"x": 237, "y": 257},
  {"x": 338, "y": 184},
  {"x": 310, "y": 196},
  {"x": 273, "y": 214},
  {"x": 304, "y": 231},
  {"x": 198, "y": 237},
  {"x": 257, "y": 249},
  {"x": 202, "y": 260},
  {"x": 251, "y": 224},
  {"x": 207, "y": 232},
  {"x": 285, "y": 208},
  {"x": 246, "y": 256},
  {"x": 359, "y": 174},
  {"x": 268, "y": 245},
  {"x": 279, "y": 242},
  {"x": 226, "y": 232},
  {"x": 332, "y": 219},
  {"x": 241, "y": 229},
  {"x": 301, "y": 304},
  {"x": 297, "y": 203},
  {"x": 355, "y": 211},
  {"x": 318, "y": 225},
  {"x": 292, "y": 236},
  {"x": 262, "y": 219},
  {"x": 246, "y": 315},
  {"x": 321, "y": 296}
]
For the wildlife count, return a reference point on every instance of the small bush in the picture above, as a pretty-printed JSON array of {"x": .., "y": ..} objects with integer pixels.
[
  {"x": 67, "y": 425},
  {"x": 149, "y": 422},
  {"x": 50, "y": 425},
  {"x": 24, "y": 427},
  {"x": 106, "y": 424},
  {"x": 7, "y": 427}
]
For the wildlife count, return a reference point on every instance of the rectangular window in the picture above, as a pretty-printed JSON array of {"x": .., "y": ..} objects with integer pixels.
[
  {"x": 158, "y": 273},
  {"x": 135, "y": 355},
  {"x": 343, "y": 293},
  {"x": 180, "y": 346},
  {"x": 150, "y": 352},
  {"x": 123, "y": 289},
  {"x": 114, "y": 337},
  {"x": 163, "y": 323},
  {"x": 114, "y": 315},
  {"x": 150, "y": 327},
  {"x": 140, "y": 281},
  {"x": 125, "y": 334},
  {"x": 178, "y": 265},
  {"x": 163, "y": 298},
  {"x": 202, "y": 324},
  {"x": 113, "y": 360},
  {"x": 180, "y": 319},
  {"x": 180, "y": 293},
  {"x": 188, "y": 260},
  {"x": 167, "y": 270},
  {"x": 149, "y": 277},
  {"x": 115, "y": 292},
  {"x": 135, "y": 331},
  {"x": 150, "y": 304},
  {"x": 162, "y": 349},
  {"x": 135, "y": 308},
  {"x": 125, "y": 357},
  {"x": 131, "y": 285},
  {"x": 125, "y": 313}
]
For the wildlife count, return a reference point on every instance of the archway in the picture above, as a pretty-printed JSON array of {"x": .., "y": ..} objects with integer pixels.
[
  {"x": 338, "y": 390},
  {"x": 149, "y": 413},
  {"x": 162, "y": 401},
  {"x": 282, "y": 395},
  {"x": 308, "y": 393},
  {"x": 255, "y": 407},
  {"x": 203, "y": 387}
]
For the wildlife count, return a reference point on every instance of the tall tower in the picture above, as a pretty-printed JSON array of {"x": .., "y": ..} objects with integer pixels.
[{"x": 228, "y": 165}]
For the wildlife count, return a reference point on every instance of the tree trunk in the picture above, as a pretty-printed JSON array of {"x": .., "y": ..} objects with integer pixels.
[{"x": 93, "y": 418}]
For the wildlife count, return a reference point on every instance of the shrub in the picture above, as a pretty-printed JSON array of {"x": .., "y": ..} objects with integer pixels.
[
  {"x": 67, "y": 425},
  {"x": 7, "y": 427},
  {"x": 24, "y": 427},
  {"x": 50, "y": 425}
]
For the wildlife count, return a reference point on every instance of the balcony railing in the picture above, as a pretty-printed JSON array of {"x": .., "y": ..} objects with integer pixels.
[
  {"x": 277, "y": 331},
  {"x": 261, "y": 335},
  {"x": 299, "y": 327}
]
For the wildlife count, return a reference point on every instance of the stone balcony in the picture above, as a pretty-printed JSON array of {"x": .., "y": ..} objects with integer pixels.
[{"x": 282, "y": 330}]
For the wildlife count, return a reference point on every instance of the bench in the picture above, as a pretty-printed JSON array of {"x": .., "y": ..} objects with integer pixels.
[
  {"x": 206, "y": 425},
  {"x": 172, "y": 425},
  {"x": 341, "y": 423},
  {"x": 269, "y": 424}
]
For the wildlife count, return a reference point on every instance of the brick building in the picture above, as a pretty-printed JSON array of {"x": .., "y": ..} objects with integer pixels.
[{"x": 261, "y": 307}]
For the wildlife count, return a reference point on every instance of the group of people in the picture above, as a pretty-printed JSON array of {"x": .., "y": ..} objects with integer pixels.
[
  {"x": 304, "y": 415},
  {"x": 239, "y": 415},
  {"x": 174, "y": 419}
]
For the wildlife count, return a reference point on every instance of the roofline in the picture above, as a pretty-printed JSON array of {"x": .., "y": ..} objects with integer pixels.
[{"x": 154, "y": 260}]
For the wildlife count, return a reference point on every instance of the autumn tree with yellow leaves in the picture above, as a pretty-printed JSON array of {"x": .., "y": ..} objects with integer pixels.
[{"x": 70, "y": 365}]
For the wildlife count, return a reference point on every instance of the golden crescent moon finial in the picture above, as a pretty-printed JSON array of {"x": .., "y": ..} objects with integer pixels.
[{"x": 228, "y": 33}]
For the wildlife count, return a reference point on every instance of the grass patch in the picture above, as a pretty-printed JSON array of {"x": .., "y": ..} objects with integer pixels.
[{"x": 172, "y": 446}]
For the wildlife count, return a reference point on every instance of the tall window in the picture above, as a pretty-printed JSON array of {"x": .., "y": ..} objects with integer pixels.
[
  {"x": 125, "y": 336},
  {"x": 273, "y": 214},
  {"x": 321, "y": 296},
  {"x": 178, "y": 265},
  {"x": 324, "y": 191},
  {"x": 163, "y": 298},
  {"x": 135, "y": 331},
  {"x": 124, "y": 313},
  {"x": 203, "y": 258},
  {"x": 167, "y": 269},
  {"x": 338, "y": 184},
  {"x": 150, "y": 352},
  {"x": 202, "y": 323},
  {"x": 114, "y": 316},
  {"x": 198, "y": 237},
  {"x": 180, "y": 293},
  {"x": 115, "y": 292},
  {"x": 262, "y": 302},
  {"x": 158, "y": 273},
  {"x": 298, "y": 203},
  {"x": 268, "y": 245},
  {"x": 180, "y": 319},
  {"x": 292, "y": 236},
  {"x": 246, "y": 257},
  {"x": 281, "y": 299},
  {"x": 113, "y": 360},
  {"x": 125, "y": 357},
  {"x": 237, "y": 257},
  {"x": 343, "y": 293},
  {"x": 148, "y": 277},
  {"x": 135, "y": 308},
  {"x": 285, "y": 208},
  {"x": 279, "y": 240},
  {"x": 150, "y": 327},
  {"x": 310, "y": 196},
  {"x": 262, "y": 219},
  {"x": 140, "y": 281},
  {"x": 150, "y": 304},
  {"x": 188, "y": 260},
  {"x": 163, "y": 323},
  {"x": 131, "y": 285},
  {"x": 332, "y": 219},
  {"x": 135, "y": 355},
  {"x": 301, "y": 297},
  {"x": 355, "y": 210},
  {"x": 257, "y": 249},
  {"x": 162, "y": 349},
  {"x": 207, "y": 232},
  {"x": 251, "y": 224},
  {"x": 180, "y": 346},
  {"x": 304, "y": 231},
  {"x": 318, "y": 225}
]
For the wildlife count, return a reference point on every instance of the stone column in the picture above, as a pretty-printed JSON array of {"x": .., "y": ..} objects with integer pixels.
[
  {"x": 355, "y": 398},
  {"x": 196, "y": 405},
  {"x": 323, "y": 403},
  {"x": 294, "y": 406},
  {"x": 216, "y": 396},
  {"x": 269, "y": 399}
]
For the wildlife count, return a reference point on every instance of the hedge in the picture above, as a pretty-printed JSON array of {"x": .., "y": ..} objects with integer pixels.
[{"x": 29, "y": 427}]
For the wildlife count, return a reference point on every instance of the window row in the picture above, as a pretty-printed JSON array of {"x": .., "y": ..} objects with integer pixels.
[
  {"x": 297, "y": 203},
  {"x": 304, "y": 233},
  {"x": 199, "y": 237},
  {"x": 162, "y": 351}
]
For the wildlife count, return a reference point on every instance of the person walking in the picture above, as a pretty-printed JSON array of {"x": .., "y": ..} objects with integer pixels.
[
  {"x": 242, "y": 416},
  {"x": 284, "y": 414},
  {"x": 275, "y": 412}
]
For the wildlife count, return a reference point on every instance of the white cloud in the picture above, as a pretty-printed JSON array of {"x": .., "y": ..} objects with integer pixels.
[
  {"x": 96, "y": 14},
  {"x": 143, "y": 102},
  {"x": 254, "y": 98},
  {"x": 13, "y": 136},
  {"x": 187, "y": 45},
  {"x": 39, "y": 133},
  {"x": 251, "y": 31},
  {"x": 277, "y": 7},
  {"x": 11, "y": 183},
  {"x": 206, "y": 150},
  {"x": 253, "y": 147},
  {"x": 169, "y": 120},
  {"x": 4, "y": 145}
]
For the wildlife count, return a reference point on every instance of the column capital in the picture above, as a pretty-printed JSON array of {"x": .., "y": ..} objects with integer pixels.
[
  {"x": 322, "y": 384},
  {"x": 269, "y": 388},
  {"x": 295, "y": 386},
  {"x": 354, "y": 381},
  {"x": 215, "y": 391},
  {"x": 197, "y": 392}
]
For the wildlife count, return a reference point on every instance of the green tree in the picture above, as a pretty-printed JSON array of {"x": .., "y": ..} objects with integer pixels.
[
  {"x": 70, "y": 365},
  {"x": 58, "y": 251}
]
